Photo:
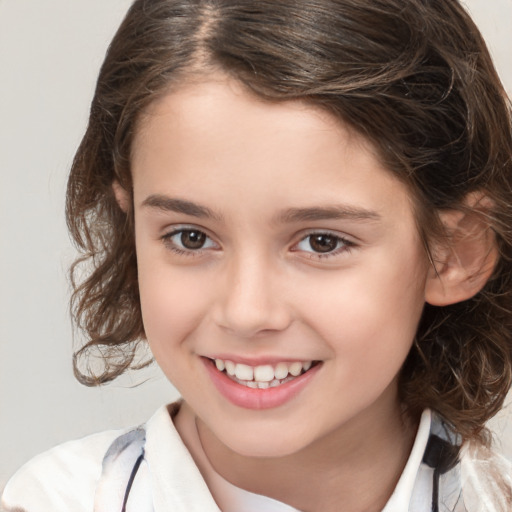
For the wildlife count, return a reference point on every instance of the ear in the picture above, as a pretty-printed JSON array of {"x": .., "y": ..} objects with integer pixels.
[
  {"x": 464, "y": 261},
  {"x": 122, "y": 196}
]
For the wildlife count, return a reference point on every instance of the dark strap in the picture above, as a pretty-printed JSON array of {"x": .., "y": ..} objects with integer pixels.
[
  {"x": 441, "y": 456},
  {"x": 132, "y": 478},
  {"x": 119, "y": 469}
]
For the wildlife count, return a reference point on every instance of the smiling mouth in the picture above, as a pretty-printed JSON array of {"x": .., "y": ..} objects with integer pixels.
[{"x": 263, "y": 376}]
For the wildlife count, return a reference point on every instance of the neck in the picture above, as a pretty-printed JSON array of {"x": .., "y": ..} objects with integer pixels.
[{"x": 354, "y": 468}]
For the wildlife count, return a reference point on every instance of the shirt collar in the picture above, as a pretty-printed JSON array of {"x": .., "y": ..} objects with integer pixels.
[
  {"x": 401, "y": 497},
  {"x": 178, "y": 484}
]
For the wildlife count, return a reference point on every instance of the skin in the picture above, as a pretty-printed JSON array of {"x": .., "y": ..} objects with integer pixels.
[{"x": 258, "y": 290}]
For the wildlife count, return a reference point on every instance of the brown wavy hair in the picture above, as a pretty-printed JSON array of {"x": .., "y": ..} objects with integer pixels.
[{"x": 412, "y": 76}]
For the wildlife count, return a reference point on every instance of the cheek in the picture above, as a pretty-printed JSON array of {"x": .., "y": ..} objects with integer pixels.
[
  {"x": 172, "y": 302},
  {"x": 369, "y": 314},
  {"x": 387, "y": 305}
]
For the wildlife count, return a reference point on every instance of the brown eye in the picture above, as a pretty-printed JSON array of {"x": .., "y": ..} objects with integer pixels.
[
  {"x": 187, "y": 241},
  {"x": 323, "y": 243},
  {"x": 191, "y": 239}
]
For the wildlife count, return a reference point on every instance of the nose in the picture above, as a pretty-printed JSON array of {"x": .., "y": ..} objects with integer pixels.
[{"x": 251, "y": 299}]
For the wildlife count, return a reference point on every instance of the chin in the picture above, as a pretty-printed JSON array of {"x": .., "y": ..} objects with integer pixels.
[{"x": 263, "y": 443}]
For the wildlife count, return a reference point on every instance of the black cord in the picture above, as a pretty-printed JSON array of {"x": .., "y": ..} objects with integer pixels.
[
  {"x": 435, "y": 490},
  {"x": 132, "y": 478},
  {"x": 441, "y": 456}
]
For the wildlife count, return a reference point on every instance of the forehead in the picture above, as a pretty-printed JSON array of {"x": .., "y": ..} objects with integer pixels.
[
  {"x": 213, "y": 138},
  {"x": 196, "y": 104}
]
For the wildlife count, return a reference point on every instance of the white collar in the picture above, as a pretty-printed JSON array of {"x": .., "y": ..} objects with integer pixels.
[
  {"x": 176, "y": 478},
  {"x": 176, "y": 482},
  {"x": 401, "y": 497}
]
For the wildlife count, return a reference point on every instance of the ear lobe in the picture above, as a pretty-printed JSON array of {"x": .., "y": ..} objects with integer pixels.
[
  {"x": 465, "y": 260},
  {"x": 122, "y": 196}
]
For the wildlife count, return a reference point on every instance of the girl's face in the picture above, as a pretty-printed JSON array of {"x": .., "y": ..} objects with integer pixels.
[{"x": 270, "y": 241}]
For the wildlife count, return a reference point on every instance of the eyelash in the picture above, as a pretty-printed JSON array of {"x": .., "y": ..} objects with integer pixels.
[{"x": 345, "y": 245}]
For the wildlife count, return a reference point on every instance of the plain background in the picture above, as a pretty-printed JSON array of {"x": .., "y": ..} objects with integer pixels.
[{"x": 50, "y": 53}]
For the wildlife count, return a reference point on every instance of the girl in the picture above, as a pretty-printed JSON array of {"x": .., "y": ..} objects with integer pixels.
[{"x": 303, "y": 208}]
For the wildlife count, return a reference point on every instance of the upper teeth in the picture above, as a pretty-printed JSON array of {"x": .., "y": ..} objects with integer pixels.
[{"x": 262, "y": 373}]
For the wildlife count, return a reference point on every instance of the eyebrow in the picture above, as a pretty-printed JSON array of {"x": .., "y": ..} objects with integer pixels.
[
  {"x": 170, "y": 204},
  {"x": 327, "y": 213},
  {"x": 288, "y": 216}
]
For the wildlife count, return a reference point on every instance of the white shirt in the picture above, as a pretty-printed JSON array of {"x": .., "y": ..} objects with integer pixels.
[{"x": 66, "y": 478}]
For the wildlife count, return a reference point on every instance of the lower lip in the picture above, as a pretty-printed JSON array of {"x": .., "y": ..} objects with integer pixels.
[{"x": 250, "y": 398}]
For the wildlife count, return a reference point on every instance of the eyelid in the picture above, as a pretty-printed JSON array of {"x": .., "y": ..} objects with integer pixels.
[
  {"x": 178, "y": 228},
  {"x": 325, "y": 231}
]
